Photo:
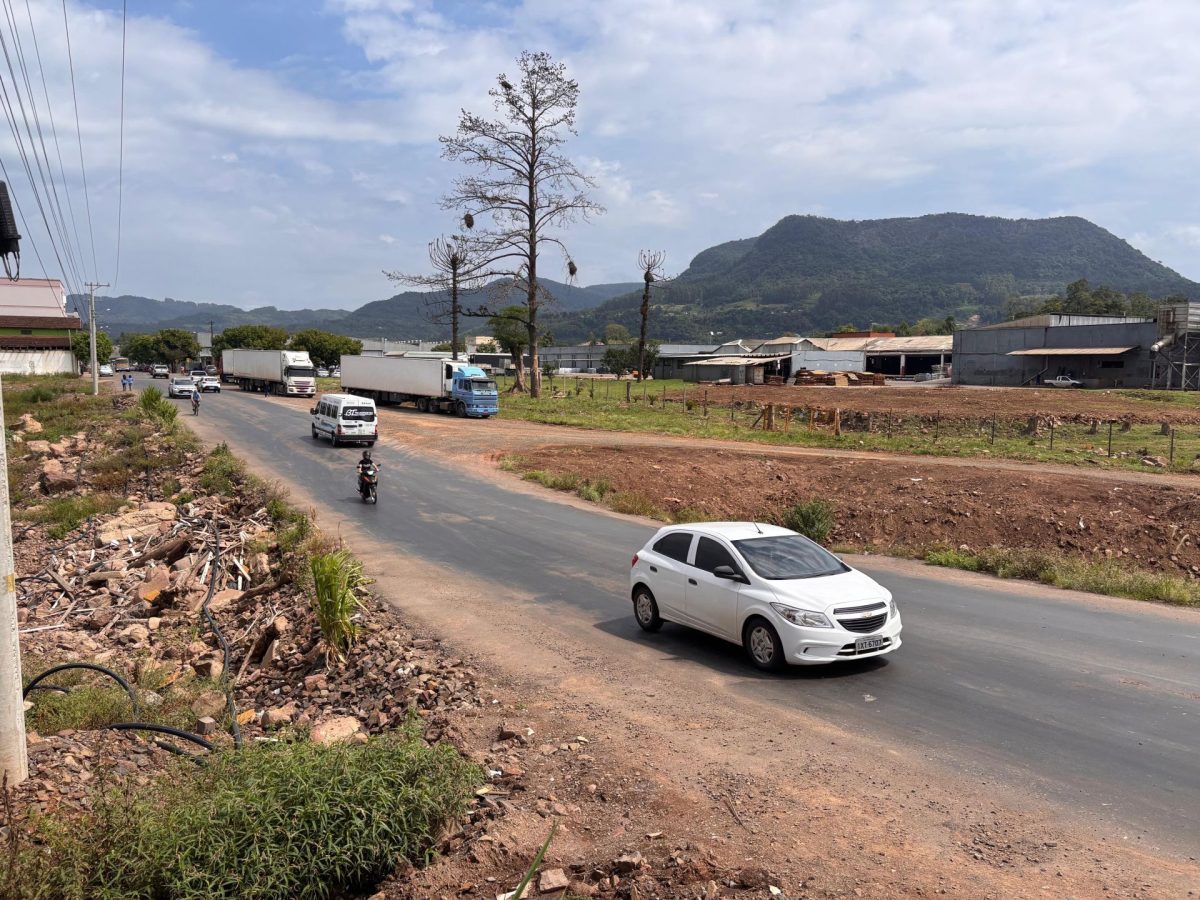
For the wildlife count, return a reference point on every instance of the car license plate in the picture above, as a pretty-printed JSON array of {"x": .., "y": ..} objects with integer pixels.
[{"x": 866, "y": 645}]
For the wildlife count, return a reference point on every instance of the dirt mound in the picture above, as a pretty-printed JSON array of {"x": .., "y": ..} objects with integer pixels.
[{"x": 887, "y": 504}]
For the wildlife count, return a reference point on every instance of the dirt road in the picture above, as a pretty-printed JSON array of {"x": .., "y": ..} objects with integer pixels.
[{"x": 1024, "y": 742}]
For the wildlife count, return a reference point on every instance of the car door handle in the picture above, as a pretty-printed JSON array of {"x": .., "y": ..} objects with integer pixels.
[
  {"x": 654, "y": 568},
  {"x": 692, "y": 581}
]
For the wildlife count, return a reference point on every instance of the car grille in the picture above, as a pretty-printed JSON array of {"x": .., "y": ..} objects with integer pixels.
[
  {"x": 864, "y": 626},
  {"x": 850, "y": 650},
  {"x": 850, "y": 610}
]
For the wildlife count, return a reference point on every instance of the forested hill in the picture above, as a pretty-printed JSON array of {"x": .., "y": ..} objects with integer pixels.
[
  {"x": 401, "y": 316},
  {"x": 807, "y": 273}
]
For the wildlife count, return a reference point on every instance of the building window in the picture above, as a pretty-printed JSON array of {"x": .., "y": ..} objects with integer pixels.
[
  {"x": 26, "y": 331},
  {"x": 1112, "y": 363}
]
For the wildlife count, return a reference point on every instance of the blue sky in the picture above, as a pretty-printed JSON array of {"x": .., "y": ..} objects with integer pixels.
[{"x": 285, "y": 152}]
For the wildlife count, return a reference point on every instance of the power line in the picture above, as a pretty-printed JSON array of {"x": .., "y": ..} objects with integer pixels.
[
  {"x": 54, "y": 130},
  {"x": 121, "y": 156},
  {"x": 79, "y": 134},
  {"x": 46, "y": 173}
]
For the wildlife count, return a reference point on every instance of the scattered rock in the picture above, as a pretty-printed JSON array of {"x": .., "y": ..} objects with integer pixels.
[
  {"x": 553, "y": 880},
  {"x": 206, "y": 725},
  {"x": 334, "y": 730},
  {"x": 139, "y": 524},
  {"x": 627, "y": 863},
  {"x": 28, "y": 424},
  {"x": 279, "y": 715}
]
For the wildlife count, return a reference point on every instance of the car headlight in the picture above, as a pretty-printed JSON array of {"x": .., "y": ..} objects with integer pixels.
[
  {"x": 892, "y": 606},
  {"x": 802, "y": 616}
]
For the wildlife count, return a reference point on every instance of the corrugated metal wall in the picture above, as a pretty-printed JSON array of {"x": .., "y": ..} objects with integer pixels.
[{"x": 37, "y": 362}]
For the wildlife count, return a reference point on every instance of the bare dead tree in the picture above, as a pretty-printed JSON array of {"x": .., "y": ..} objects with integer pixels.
[
  {"x": 457, "y": 266},
  {"x": 650, "y": 263},
  {"x": 523, "y": 187}
]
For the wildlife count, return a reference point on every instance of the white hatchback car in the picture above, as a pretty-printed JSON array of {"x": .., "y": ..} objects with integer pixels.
[{"x": 782, "y": 597}]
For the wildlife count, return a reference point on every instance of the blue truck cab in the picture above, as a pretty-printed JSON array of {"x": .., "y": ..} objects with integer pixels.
[{"x": 473, "y": 391}]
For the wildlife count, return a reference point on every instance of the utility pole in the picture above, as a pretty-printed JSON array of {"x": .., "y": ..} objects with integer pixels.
[
  {"x": 91, "y": 286},
  {"x": 14, "y": 761}
]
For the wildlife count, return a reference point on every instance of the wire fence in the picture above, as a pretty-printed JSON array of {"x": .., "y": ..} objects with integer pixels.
[{"x": 678, "y": 407}]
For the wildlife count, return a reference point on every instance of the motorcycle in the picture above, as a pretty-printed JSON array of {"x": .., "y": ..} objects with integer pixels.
[
  {"x": 368, "y": 484},
  {"x": 195, "y": 406}
]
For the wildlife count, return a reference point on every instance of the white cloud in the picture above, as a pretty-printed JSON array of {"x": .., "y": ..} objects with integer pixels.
[{"x": 700, "y": 122}]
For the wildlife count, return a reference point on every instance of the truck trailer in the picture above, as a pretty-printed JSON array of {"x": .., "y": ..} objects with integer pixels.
[
  {"x": 433, "y": 385},
  {"x": 283, "y": 372}
]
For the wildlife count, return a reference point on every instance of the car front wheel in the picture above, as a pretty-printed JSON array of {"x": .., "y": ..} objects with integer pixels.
[
  {"x": 763, "y": 645},
  {"x": 645, "y": 610}
]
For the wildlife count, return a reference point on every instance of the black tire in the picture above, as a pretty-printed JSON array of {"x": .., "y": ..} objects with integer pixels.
[
  {"x": 333, "y": 440},
  {"x": 762, "y": 645},
  {"x": 461, "y": 409},
  {"x": 645, "y": 610},
  {"x": 370, "y": 443},
  {"x": 314, "y": 432}
]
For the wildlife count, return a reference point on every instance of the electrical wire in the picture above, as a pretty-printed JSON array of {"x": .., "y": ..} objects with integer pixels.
[
  {"x": 234, "y": 727},
  {"x": 121, "y": 156},
  {"x": 79, "y": 135},
  {"x": 54, "y": 130},
  {"x": 45, "y": 173}
]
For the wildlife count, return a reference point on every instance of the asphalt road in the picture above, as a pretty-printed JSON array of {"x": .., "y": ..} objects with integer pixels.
[{"x": 1092, "y": 706}]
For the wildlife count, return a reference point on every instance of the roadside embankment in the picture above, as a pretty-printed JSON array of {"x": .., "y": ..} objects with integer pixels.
[{"x": 1138, "y": 540}]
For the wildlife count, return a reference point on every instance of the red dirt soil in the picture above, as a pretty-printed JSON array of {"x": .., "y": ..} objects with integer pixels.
[{"x": 888, "y": 504}]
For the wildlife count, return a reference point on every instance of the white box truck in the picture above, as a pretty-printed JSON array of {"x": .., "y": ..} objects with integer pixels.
[
  {"x": 434, "y": 385},
  {"x": 283, "y": 372}
]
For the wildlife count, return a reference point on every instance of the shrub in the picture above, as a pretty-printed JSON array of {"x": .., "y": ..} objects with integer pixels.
[
  {"x": 813, "y": 519},
  {"x": 594, "y": 491},
  {"x": 158, "y": 407},
  {"x": 337, "y": 577},
  {"x": 270, "y": 821}
]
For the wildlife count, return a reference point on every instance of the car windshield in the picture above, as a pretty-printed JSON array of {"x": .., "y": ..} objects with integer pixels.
[
  {"x": 789, "y": 556},
  {"x": 359, "y": 413},
  {"x": 301, "y": 372},
  {"x": 182, "y": 381},
  {"x": 483, "y": 386}
]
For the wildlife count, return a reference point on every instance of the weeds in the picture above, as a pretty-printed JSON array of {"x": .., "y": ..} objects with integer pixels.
[
  {"x": 337, "y": 577},
  {"x": 158, "y": 407},
  {"x": 632, "y": 504},
  {"x": 813, "y": 519},
  {"x": 222, "y": 471},
  {"x": 282, "y": 820},
  {"x": 63, "y": 515},
  {"x": 1105, "y": 576}
]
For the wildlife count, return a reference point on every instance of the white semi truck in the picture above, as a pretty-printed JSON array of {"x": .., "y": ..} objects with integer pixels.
[
  {"x": 283, "y": 372},
  {"x": 434, "y": 385}
]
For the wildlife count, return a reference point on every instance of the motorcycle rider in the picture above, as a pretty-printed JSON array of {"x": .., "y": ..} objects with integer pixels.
[
  {"x": 363, "y": 464},
  {"x": 195, "y": 400}
]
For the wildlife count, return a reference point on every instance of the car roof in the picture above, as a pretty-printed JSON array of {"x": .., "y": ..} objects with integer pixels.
[
  {"x": 731, "y": 531},
  {"x": 348, "y": 397}
]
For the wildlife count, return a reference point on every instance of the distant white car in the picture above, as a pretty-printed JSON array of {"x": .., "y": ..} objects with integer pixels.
[
  {"x": 158, "y": 370},
  {"x": 1064, "y": 381},
  {"x": 322, "y": 373},
  {"x": 180, "y": 386},
  {"x": 106, "y": 370},
  {"x": 782, "y": 597},
  {"x": 210, "y": 383}
]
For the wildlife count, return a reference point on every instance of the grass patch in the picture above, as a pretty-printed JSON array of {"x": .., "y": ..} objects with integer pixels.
[
  {"x": 1107, "y": 576},
  {"x": 813, "y": 519},
  {"x": 284, "y": 820},
  {"x": 632, "y": 504},
  {"x": 222, "y": 471},
  {"x": 337, "y": 579},
  {"x": 63, "y": 515}
]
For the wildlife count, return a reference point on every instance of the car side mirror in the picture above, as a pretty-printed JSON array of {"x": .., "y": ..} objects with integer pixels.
[
  {"x": 730, "y": 573},
  {"x": 313, "y": 411}
]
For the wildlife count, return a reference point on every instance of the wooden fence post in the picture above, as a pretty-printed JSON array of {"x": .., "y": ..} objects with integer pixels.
[
  {"x": 628, "y": 388},
  {"x": 706, "y": 403},
  {"x": 837, "y": 422},
  {"x": 1110, "y": 424}
]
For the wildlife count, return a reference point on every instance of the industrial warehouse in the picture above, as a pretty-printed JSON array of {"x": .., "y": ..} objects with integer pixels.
[{"x": 1097, "y": 351}]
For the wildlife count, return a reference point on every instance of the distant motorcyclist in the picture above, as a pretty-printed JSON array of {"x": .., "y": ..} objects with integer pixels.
[
  {"x": 195, "y": 400},
  {"x": 365, "y": 464}
]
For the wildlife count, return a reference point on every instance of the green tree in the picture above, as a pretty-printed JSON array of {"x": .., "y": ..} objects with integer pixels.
[
  {"x": 510, "y": 332},
  {"x": 615, "y": 333},
  {"x": 325, "y": 348},
  {"x": 250, "y": 337},
  {"x": 140, "y": 348},
  {"x": 487, "y": 347},
  {"x": 450, "y": 347},
  {"x": 842, "y": 329},
  {"x": 177, "y": 344},
  {"x": 81, "y": 346}
]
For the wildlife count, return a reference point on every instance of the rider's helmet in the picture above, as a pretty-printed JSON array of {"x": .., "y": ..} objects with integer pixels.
[{"x": 366, "y": 457}]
